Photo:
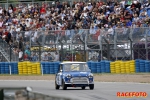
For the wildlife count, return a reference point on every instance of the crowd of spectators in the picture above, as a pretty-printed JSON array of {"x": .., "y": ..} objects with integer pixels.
[{"x": 63, "y": 16}]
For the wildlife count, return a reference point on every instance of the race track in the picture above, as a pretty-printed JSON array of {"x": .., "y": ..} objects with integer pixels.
[{"x": 102, "y": 91}]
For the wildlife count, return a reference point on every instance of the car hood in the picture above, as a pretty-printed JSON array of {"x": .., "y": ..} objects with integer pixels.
[{"x": 75, "y": 74}]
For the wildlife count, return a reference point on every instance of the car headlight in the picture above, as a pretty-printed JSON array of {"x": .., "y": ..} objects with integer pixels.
[
  {"x": 90, "y": 75},
  {"x": 68, "y": 76}
]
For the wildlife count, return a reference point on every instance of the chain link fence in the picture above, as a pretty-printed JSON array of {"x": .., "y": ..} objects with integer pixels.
[{"x": 111, "y": 44}]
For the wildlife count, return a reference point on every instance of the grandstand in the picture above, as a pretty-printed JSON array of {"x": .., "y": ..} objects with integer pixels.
[{"x": 91, "y": 28}]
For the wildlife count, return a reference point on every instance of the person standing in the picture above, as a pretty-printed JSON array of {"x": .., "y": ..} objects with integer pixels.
[
  {"x": 20, "y": 55},
  {"x": 56, "y": 57}
]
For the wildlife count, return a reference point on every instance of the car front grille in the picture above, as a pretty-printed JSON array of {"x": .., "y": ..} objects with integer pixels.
[{"x": 79, "y": 80}]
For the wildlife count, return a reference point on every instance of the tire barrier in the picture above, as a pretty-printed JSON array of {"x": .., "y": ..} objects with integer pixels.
[
  {"x": 122, "y": 67},
  {"x": 50, "y": 67},
  {"x": 104, "y": 66},
  {"x": 14, "y": 67},
  {"x": 99, "y": 67},
  {"x": 142, "y": 65},
  {"x": 29, "y": 68},
  {"x": 4, "y": 68}
]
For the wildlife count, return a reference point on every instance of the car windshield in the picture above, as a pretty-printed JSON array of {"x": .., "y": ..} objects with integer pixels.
[{"x": 75, "y": 67}]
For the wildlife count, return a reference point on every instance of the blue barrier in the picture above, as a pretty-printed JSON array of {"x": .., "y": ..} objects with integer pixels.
[
  {"x": 95, "y": 67},
  {"x": 142, "y": 65},
  {"x": 98, "y": 67},
  {"x": 14, "y": 67},
  {"x": 137, "y": 64}
]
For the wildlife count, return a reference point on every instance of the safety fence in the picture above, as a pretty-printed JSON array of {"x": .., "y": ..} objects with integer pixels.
[
  {"x": 122, "y": 44},
  {"x": 104, "y": 66}
]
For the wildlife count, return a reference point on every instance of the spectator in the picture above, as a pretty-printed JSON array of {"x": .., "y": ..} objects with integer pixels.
[
  {"x": 28, "y": 53},
  {"x": 50, "y": 57},
  {"x": 34, "y": 57},
  {"x": 95, "y": 16},
  {"x": 45, "y": 57},
  {"x": 20, "y": 55},
  {"x": 56, "y": 58}
]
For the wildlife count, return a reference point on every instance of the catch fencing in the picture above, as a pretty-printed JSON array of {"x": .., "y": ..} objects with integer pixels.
[{"x": 84, "y": 44}]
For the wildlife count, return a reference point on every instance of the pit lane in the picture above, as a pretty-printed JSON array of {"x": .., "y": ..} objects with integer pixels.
[{"x": 102, "y": 91}]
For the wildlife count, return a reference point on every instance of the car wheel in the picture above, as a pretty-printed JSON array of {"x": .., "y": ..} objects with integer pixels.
[
  {"x": 56, "y": 86},
  {"x": 91, "y": 86},
  {"x": 64, "y": 87},
  {"x": 83, "y": 87}
]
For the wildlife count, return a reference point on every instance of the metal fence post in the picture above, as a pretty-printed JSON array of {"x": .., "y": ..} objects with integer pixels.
[
  {"x": 9, "y": 69},
  {"x": 42, "y": 69},
  {"x": 146, "y": 43},
  {"x": 10, "y": 52}
]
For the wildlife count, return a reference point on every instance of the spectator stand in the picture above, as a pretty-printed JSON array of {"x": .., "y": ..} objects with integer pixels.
[{"x": 105, "y": 29}]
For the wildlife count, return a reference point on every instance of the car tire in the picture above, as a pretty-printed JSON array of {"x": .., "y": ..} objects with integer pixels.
[
  {"x": 56, "y": 86},
  {"x": 91, "y": 86},
  {"x": 83, "y": 87},
  {"x": 64, "y": 87}
]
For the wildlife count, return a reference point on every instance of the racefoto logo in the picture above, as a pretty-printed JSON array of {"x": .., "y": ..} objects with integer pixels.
[{"x": 132, "y": 94}]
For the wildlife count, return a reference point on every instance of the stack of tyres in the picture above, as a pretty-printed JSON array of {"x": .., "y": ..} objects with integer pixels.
[
  {"x": 147, "y": 66},
  {"x": 2, "y": 67},
  {"x": 29, "y": 67},
  {"x": 20, "y": 69},
  {"x": 93, "y": 67},
  {"x": 137, "y": 64},
  {"x": 38, "y": 67},
  {"x": 43, "y": 67},
  {"x": 98, "y": 67},
  {"x": 122, "y": 67},
  {"x": 51, "y": 68},
  {"x": 107, "y": 66},
  {"x": 112, "y": 67},
  {"x": 142, "y": 66},
  {"x": 25, "y": 68},
  {"x": 132, "y": 66},
  {"x": 6, "y": 68},
  {"x": 103, "y": 69},
  {"x": 117, "y": 67},
  {"x": 56, "y": 67},
  {"x": 14, "y": 67},
  {"x": 127, "y": 66},
  {"x": 89, "y": 64},
  {"x": 47, "y": 68},
  {"x": 34, "y": 68}
]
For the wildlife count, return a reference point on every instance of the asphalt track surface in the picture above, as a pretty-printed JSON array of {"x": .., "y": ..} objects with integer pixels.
[{"x": 102, "y": 91}]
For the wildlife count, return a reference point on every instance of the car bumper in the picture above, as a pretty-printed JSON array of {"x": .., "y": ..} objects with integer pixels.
[
  {"x": 77, "y": 85},
  {"x": 78, "y": 81}
]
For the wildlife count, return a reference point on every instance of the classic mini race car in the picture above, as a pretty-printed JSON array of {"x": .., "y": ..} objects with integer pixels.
[{"x": 74, "y": 74}]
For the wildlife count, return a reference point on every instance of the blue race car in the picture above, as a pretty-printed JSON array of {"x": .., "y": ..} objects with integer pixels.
[{"x": 74, "y": 74}]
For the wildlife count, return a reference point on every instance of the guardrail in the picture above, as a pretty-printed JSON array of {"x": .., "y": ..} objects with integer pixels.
[
  {"x": 104, "y": 66},
  {"x": 23, "y": 93}
]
